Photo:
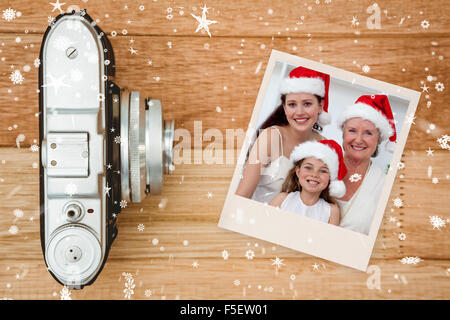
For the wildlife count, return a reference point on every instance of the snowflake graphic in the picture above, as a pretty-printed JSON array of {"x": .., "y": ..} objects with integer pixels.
[
  {"x": 140, "y": 227},
  {"x": 34, "y": 148},
  {"x": 411, "y": 118},
  {"x": 400, "y": 165},
  {"x": 437, "y": 222},
  {"x": 355, "y": 177},
  {"x": 71, "y": 189},
  {"x": 16, "y": 77},
  {"x": 117, "y": 139},
  {"x": 9, "y": 14},
  {"x": 443, "y": 142},
  {"x": 439, "y": 86},
  {"x": 129, "y": 285},
  {"x": 398, "y": 203},
  {"x": 123, "y": 203},
  {"x": 13, "y": 230},
  {"x": 410, "y": 260},
  {"x": 366, "y": 69},
  {"x": 236, "y": 283},
  {"x": 277, "y": 262},
  {"x": 37, "y": 62},
  {"x": 425, "y": 24},
  {"x": 203, "y": 23},
  {"x": 354, "y": 21},
  {"x": 148, "y": 293},
  {"x": 225, "y": 255},
  {"x": 402, "y": 236},
  {"x": 249, "y": 254},
  {"x": 195, "y": 264},
  {"x": 65, "y": 293}
]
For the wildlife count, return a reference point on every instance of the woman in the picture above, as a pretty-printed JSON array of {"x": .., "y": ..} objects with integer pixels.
[
  {"x": 304, "y": 106},
  {"x": 365, "y": 125}
]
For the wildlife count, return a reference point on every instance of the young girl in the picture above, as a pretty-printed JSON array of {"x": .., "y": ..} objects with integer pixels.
[{"x": 313, "y": 181}]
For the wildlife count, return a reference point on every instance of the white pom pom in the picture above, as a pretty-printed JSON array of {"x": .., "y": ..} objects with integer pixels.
[
  {"x": 390, "y": 146},
  {"x": 324, "y": 118},
  {"x": 337, "y": 189}
]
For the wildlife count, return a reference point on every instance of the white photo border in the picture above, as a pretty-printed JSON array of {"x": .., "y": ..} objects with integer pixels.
[{"x": 333, "y": 243}]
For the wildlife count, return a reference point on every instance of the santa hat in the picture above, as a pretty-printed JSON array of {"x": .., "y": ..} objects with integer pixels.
[
  {"x": 375, "y": 108},
  {"x": 309, "y": 81},
  {"x": 330, "y": 152}
]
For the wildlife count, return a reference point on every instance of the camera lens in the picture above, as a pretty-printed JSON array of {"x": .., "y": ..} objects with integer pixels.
[{"x": 146, "y": 146}]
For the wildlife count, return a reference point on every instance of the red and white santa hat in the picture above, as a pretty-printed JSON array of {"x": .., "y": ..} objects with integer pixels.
[
  {"x": 330, "y": 152},
  {"x": 309, "y": 81},
  {"x": 375, "y": 108}
]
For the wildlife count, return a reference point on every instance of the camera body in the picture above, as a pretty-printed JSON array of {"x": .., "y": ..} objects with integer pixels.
[{"x": 101, "y": 147}]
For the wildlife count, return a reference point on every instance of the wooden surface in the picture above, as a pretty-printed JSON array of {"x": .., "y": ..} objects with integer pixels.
[{"x": 197, "y": 74}]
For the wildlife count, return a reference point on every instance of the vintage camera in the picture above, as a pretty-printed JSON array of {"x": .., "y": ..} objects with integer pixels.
[{"x": 101, "y": 147}]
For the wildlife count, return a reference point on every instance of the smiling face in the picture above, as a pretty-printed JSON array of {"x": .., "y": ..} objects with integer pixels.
[
  {"x": 313, "y": 175},
  {"x": 360, "y": 138},
  {"x": 302, "y": 110}
]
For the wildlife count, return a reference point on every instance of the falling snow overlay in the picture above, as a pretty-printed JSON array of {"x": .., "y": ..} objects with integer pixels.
[
  {"x": 398, "y": 203},
  {"x": 410, "y": 260},
  {"x": 249, "y": 254},
  {"x": 203, "y": 22},
  {"x": 354, "y": 177},
  {"x": 16, "y": 77},
  {"x": 437, "y": 222},
  {"x": 129, "y": 285},
  {"x": 65, "y": 293},
  {"x": 443, "y": 142}
]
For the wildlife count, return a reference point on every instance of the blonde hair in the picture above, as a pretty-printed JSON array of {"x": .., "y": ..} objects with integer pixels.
[{"x": 291, "y": 184}]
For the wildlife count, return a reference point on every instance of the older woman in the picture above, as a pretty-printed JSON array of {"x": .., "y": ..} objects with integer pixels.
[
  {"x": 365, "y": 125},
  {"x": 304, "y": 106}
]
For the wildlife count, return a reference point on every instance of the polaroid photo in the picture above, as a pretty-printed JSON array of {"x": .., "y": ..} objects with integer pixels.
[{"x": 319, "y": 159}]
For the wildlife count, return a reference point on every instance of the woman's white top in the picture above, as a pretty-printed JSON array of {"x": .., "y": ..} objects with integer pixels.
[
  {"x": 357, "y": 213},
  {"x": 272, "y": 176},
  {"x": 321, "y": 210}
]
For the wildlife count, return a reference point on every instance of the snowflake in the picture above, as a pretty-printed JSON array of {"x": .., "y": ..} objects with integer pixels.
[
  {"x": 210, "y": 195},
  {"x": 411, "y": 118},
  {"x": 402, "y": 236},
  {"x": 123, "y": 204},
  {"x": 203, "y": 23},
  {"x": 315, "y": 266},
  {"x": 249, "y": 254},
  {"x": 439, "y": 86},
  {"x": 277, "y": 262},
  {"x": 13, "y": 230},
  {"x": 355, "y": 177},
  {"x": 50, "y": 20},
  {"x": 410, "y": 260},
  {"x": 34, "y": 148},
  {"x": 16, "y": 77},
  {"x": 443, "y": 142},
  {"x": 195, "y": 264},
  {"x": 425, "y": 24},
  {"x": 65, "y": 293},
  {"x": 366, "y": 69},
  {"x": 9, "y": 14},
  {"x": 225, "y": 255},
  {"x": 236, "y": 283},
  {"x": 133, "y": 51},
  {"x": 129, "y": 285},
  {"x": 148, "y": 293},
  {"x": 117, "y": 139},
  {"x": 37, "y": 62},
  {"x": 71, "y": 189},
  {"x": 140, "y": 227},
  {"x": 398, "y": 203},
  {"x": 354, "y": 21},
  {"x": 437, "y": 222}
]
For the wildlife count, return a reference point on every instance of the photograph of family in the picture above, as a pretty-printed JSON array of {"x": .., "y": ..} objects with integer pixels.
[{"x": 322, "y": 147}]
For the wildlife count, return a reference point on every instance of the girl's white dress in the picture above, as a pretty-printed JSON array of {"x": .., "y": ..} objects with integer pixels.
[{"x": 321, "y": 210}]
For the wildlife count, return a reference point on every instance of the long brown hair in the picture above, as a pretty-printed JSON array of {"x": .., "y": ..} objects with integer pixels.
[{"x": 291, "y": 184}]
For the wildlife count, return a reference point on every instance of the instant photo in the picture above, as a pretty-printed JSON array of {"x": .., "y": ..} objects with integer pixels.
[{"x": 319, "y": 159}]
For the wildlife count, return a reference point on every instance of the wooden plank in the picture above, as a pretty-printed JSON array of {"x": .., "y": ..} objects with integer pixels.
[
  {"x": 234, "y": 279},
  {"x": 238, "y": 19},
  {"x": 200, "y": 79},
  {"x": 190, "y": 207}
]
